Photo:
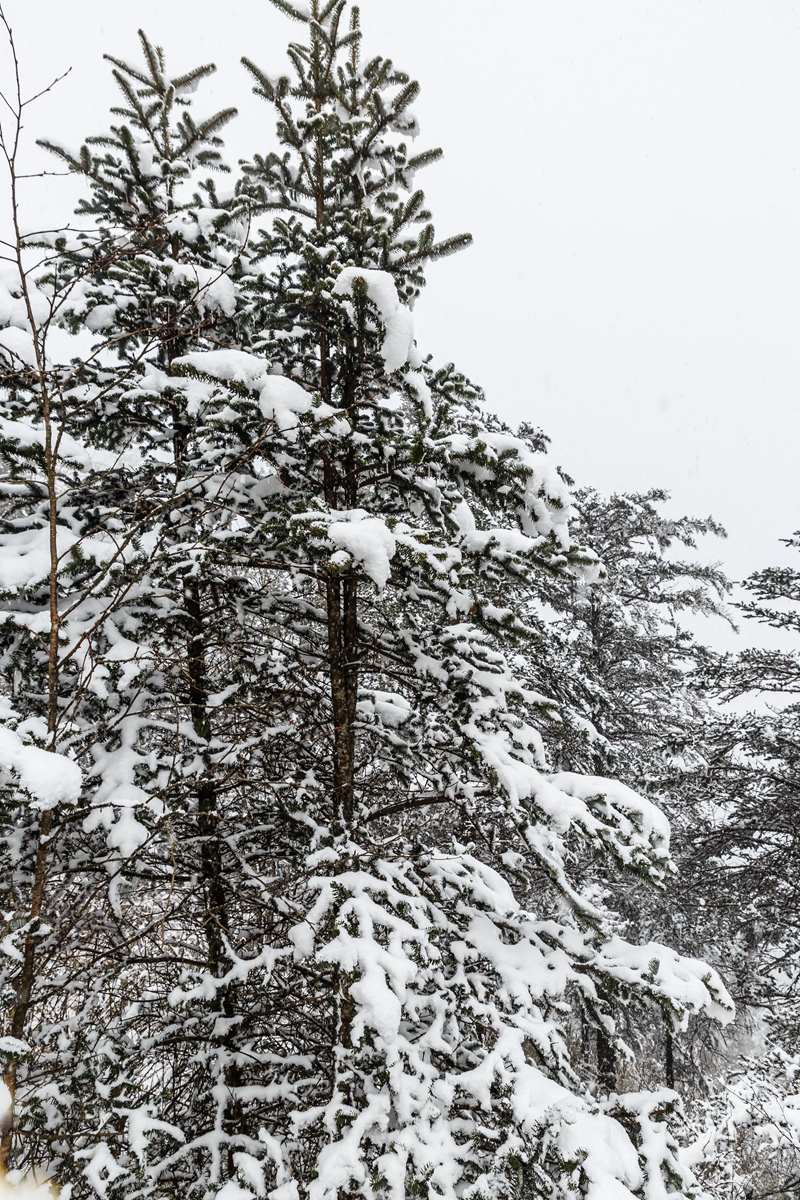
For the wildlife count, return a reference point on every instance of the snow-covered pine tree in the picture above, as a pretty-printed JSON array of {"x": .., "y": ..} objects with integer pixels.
[
  {"x": 747, "y": 856},
  {"x": 404, "y": 1008},
  {"x": 138, "y": 495},
  {"x": 634, "y": 658},
  {"x": 755, "y": 847},
  {"x": 638, "y": 707}
]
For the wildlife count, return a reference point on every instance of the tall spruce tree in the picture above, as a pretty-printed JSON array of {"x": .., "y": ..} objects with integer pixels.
[
  {"x": 62, "y": 553},
  {"x": 421, "y": 1048}
]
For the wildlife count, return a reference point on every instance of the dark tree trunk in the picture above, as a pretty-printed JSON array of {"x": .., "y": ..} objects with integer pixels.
[
  {"x": 606, "y": 1062},
  {"x": 216, "y": 925},
  {"x": 669, "y": 1057}
]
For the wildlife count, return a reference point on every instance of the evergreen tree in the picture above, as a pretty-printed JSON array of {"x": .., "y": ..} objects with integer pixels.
[
  {"x": 636, "y": 661},
  {"x": 636, "y": 707},
  {"x": 755, "y": 844},
  {"x": 135, "y": 490},
  {"x": 59, "y": 578},
  {"x": 404, "y": 515},
  {"x": 740, "y": 852}
]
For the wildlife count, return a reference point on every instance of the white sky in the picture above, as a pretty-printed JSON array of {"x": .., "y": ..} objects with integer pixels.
[{"x": 630, "y": 172}]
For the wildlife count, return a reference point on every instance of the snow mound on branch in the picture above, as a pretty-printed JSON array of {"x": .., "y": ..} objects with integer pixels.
[
  {"x": 26, "y": 433},
  {"x": 397, "y": 319},
  {"x": 693, "y": 986},
  {"x": 281, "y": 399},
  {"x": 101, "y": 317},
  {"x": 229, "y": 366},
  {"x": 642, "y": 816},
  {"x": 16, "y": 343},
  {"x": 50, "y": 778},
  {"x": 11, "y": 1047},
  {"x": 545, "y": 501},
  {"x": 214, "y": 288},
  {"x": 25, "y": 557},
  {"x": 17, "y": 346},
  {"x": 368, "y": 541},
  {"x": 389, "y": 709}
]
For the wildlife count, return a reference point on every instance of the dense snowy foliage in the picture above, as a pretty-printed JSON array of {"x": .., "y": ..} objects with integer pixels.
[{"x": 313, "y": 676}]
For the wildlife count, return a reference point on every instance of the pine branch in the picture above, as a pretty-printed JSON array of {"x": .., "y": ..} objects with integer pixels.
[
  {"x": 205, "y": 131},
  {"x": 291, "y": 11},
  {"x": 354, "y": 38},
  {"x": 127, "y": 69},
  {"x": 425, "y": 159},
  {"x": 406, "y": 97},
  {"x": 193, "y": 77},
  {"x": 411, "y": 209},
  {"x": 264, "y": 85},
  {"x": 155, "y": 60},
  {"x": 329, "y": 7},
  {"x": 133, "y": 99},
  {"x": 79, "y": 165}
]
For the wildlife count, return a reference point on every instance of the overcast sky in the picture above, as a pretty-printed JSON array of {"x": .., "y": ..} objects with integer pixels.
[{"x": 630, "y": 173}]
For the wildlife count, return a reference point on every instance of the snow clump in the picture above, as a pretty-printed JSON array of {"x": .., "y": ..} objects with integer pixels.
[{"x": 397, "y": 319}]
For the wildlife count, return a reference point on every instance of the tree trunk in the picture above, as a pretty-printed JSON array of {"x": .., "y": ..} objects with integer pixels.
[
  {"x": 669, "y": 1057},
  {"x": 216, "y": 926},
  {"x": 342, "y": 598},
  {"x": 606, "y": 1063},
  {"x": 606, "y": 1053}
]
